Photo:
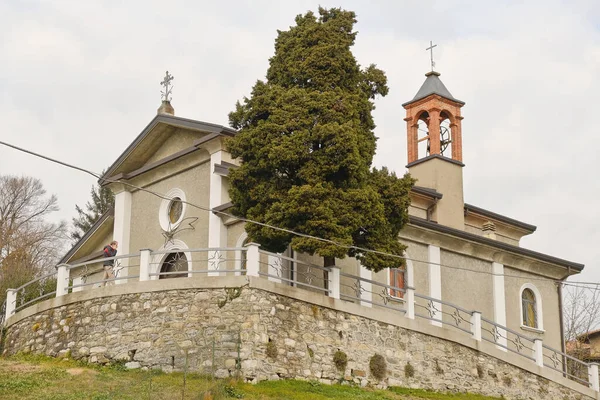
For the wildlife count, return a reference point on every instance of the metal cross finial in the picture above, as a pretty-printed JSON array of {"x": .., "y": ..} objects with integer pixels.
[
  {"x": 166, "y": 83},
  {"x": 431, "y": 46}
]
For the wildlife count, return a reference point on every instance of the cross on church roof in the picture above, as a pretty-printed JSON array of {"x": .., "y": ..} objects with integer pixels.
[
  {"x": 430, "y": 48},
  {"x": 166, "y": 83}
]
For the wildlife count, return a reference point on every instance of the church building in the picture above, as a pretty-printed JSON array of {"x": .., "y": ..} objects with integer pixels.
[{"x": 171, "y": 196}]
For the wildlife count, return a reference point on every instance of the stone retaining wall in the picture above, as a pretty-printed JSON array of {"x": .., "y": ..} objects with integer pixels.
[{"x": 260, "y": 334}]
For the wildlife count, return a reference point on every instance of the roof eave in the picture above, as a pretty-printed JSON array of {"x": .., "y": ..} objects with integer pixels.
[
  {"x": 169, "y": 120},
  {"x": 462, "y": 103},
  {"x": 507, "y": 220},
  {"x": 87, "y": 235},
  {"x": 423, "y": 223}
]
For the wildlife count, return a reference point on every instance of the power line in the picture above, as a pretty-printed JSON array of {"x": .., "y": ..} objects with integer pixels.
[{"x": 98, "y": 176}]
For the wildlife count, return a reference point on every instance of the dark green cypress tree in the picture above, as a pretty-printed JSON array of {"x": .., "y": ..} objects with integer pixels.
[
  {"x": 306, "y": 143},
  {"x": 102, "y": 200}
]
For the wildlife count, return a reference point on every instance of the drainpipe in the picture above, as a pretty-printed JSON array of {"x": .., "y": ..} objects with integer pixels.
[{"x": 561, "y": 320}]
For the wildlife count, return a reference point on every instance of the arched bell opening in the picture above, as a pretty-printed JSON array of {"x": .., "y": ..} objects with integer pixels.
[
  {"x": 446, "y": 134},
  {"x": 423, "y": 142}
]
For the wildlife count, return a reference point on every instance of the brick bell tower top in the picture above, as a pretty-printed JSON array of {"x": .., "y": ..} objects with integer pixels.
[
  {"x": 434, "y": 137},
  {"x": 434, "y": 114}
]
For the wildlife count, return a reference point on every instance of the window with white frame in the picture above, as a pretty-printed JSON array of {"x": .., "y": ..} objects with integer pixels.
[
  {"x": 172, "y": 210},
  {"x": 531, "y": 307},
  {"x": 398, "y": 282}
]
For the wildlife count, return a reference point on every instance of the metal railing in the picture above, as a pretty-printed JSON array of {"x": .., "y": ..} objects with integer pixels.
[
  {"x": 177, "y": 263},
  {"x": 372, "y": 293},
  {"x": 34, "y": 291},
  {"x": 330, "y": 281},
  {"x": 279, "y": 268},
  {"x": 443, "y": 313},
  {"x": 572, "y": 367},
  {"x": 94, "y": 273},
  {"x": 507, "y": 339}
]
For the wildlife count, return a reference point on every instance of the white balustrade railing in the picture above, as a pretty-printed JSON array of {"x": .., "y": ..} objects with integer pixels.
[{"x": 330, "y": 281}]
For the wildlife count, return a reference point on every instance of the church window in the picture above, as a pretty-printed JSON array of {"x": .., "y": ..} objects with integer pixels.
[
  {"x": 175, "y": 210},
  {"x": 528, "y": 304},
  {"x": 397, "y": 280},
  {"x": 172, "y": 210},
  {"x": 174, "y": 262}
]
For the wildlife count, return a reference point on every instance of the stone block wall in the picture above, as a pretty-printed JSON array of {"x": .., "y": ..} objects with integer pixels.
[{"x": 259, "y": 335}]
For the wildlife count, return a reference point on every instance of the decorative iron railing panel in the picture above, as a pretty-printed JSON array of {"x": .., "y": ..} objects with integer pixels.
[
  {"x": 572, "y": 367},
  {"x": 507, "y": 339},
  {"x": 180, "y": 263},
  {"x": 435, "y": 310},
  {"x": 294, "y": 272},
  {"x": 370, "y": 292}
]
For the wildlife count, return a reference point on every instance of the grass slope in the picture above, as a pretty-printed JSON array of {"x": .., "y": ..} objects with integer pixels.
[{"x": 41, "y": 378}]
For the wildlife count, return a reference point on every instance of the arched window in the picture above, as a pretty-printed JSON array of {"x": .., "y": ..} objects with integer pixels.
[
  {"x": 529, "y": 308},
  {"x": 174, "y": 262}
]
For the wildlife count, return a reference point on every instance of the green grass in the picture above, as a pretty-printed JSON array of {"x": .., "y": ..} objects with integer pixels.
[{"x": 42, "y": 378}]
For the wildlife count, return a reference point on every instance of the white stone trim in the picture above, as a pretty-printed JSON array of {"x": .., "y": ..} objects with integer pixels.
[
  {"x": 538, "y": 308},
  {"x": 499, "y": 297},
  {"x": 163, "y": 210},
  {"x": 217, "y": 232},
  {"x": 435, "y": 280},
  {"x": 158, "y": 259},
  {"x": 367, "y": 295},
  {"x": 122, "y": 231},
  {"x": 78, "y": 280}
]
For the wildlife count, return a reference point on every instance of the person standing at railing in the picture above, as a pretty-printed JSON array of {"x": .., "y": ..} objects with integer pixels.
[{"x": 109, "y": 251}]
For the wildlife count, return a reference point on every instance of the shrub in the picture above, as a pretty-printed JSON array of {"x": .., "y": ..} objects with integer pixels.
[
  {"x": 409, "y": 370},
  {"x": 479, "y": 371},
  {"x": 340, "y": 359},
  {"x": 378, "y": 366},
  {"x": 271, "y": 349}
]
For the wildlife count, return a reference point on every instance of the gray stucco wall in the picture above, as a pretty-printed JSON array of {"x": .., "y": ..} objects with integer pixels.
[
  {"x": 146, "y": 231},
  {"x": 549, "y": 295},
  {"x": 177, "y": 141},
  {"x": 479, "y": 294}
]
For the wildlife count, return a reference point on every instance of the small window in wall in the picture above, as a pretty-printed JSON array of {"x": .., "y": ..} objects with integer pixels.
[
  {"x": 172, "y": 210},
  {"x": 175, "y": 210},
  {"x": 397, "y": 281},
  {"x": 528, "y": 303},
  {"x": 174, "y": 262}
]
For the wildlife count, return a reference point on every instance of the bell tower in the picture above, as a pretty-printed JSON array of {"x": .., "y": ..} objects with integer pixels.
[{"x": 434, "y": 143}]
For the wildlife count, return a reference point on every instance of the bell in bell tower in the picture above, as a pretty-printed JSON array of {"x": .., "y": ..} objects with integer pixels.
[{"x": 434, "y": 143}]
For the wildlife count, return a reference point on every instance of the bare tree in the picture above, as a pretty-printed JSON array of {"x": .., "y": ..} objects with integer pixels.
[
  {"x": 581, "y": 312},
  {"x": 29, "y": 244}
]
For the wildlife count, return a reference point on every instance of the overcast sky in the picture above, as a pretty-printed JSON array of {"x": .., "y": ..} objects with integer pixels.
[{"x": 80, "y": 80}]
